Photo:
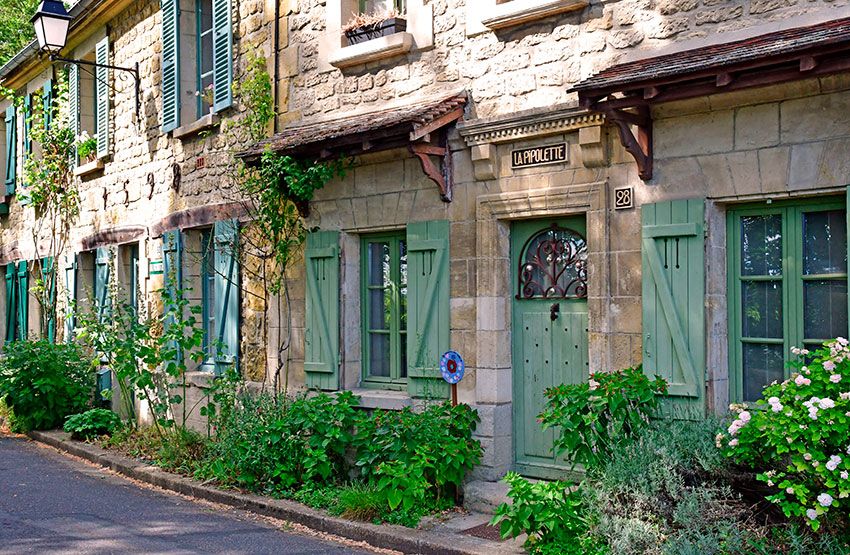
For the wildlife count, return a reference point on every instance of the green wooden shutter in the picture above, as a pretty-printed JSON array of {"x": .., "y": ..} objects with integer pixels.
[
  {"x": 74, "y": 102},
  {"x": 102, "y": 74},
  {"x": 102, "y": 277},
  {"x": 226, "y": 261},
  {"x": 22, "y": 302},
  {"x": 427, "y": 307},
  {"x": 71, "y": 292},
  {"x": 11, "y": 308},
  {"x": 170, "y": 65},
  {"x": 47, "y": 103},
  {"x": 673, "y": 256},
  {"x": 11, "y": 149},
  {"x": 49, "y": 280},
  {"x": 321, "y": 336},
  {"x": 27, "y": 126},
  {"x": 222, "y": 54}
]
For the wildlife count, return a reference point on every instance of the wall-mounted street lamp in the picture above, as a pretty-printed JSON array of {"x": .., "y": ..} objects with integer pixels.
[{"x": 51, "y": 22}]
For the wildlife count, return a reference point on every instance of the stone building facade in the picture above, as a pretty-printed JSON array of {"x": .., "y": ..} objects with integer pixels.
[{"x": 523, "y": 191}]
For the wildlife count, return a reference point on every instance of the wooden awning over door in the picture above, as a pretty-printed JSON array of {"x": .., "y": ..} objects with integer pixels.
[
  {"x": 625, "y": 92},
  {"x": 421, "y": 128}
]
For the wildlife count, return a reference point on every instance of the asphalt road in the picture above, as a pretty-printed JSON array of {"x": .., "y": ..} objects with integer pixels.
[{"x": 52, "y": 504}]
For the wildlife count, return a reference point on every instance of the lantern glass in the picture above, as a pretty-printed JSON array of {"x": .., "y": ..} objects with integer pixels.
[{"x": 51, "y": 23}]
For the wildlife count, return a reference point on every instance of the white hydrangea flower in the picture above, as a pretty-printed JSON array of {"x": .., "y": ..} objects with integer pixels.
[
  {"x": 812, "y": 514},
  {"x": 825, "y": 499}
]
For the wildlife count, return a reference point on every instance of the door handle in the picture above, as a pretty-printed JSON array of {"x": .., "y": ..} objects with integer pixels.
[{"x": 553, "y": 311}]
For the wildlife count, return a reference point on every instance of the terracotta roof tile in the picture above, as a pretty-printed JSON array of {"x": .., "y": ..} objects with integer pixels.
[
  {"x": 396, "y": 122},
  {"x": 720, "y": 56}
]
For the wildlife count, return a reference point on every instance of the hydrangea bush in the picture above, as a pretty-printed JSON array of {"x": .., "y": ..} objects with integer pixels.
[{"x": 800, "y": 433}]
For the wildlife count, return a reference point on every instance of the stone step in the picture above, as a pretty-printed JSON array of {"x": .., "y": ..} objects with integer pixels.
[{"x": 483, "y": 497}]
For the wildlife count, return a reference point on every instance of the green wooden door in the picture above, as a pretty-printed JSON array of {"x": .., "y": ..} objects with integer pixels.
[{"x": 549, "y": 340}]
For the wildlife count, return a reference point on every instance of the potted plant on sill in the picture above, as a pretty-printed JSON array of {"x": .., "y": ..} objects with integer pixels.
[
  {"x": 367, "y": 26},
  {"x": 207, "y": 94},
  {"x": 86, "y": 148}
]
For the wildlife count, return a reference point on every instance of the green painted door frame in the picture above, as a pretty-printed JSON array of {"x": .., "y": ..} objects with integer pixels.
[{"x": 548, "y": 347}]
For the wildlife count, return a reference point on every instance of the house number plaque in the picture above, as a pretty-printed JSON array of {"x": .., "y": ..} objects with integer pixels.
[{"x": 539, "y": 156}]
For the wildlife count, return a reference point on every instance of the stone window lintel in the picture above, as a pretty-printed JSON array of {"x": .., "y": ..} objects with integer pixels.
[{"x": 500, "y": 15}]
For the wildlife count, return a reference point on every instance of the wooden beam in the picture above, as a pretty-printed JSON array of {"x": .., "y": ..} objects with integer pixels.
[
  {"x": 436, "y": 124},
  {"x": 808, "y": 63},
  {"x": 443, "y": 178},
  {"x": 640, "y": 146},
  {"x": 724, "y": 79},
  {"x": 651, "y": 92}
]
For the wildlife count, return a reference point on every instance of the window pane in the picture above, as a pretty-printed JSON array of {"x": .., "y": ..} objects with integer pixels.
[
  {"x": 379, "y": 264},
  {"x": 762, "y": 365},
  {"x": 205, "y": 14},
  {"x": 825, "y": 242},
  {"x": 205, "y": 55},
  {"x": 761, "y": 245},
  {"x": 825, "y": 309},
  {"x": 379, "y": 309},
  {"x": 761, "y": 309},
  {"x": 402, "y": 251},
  {"x": 379, "y": 354}
]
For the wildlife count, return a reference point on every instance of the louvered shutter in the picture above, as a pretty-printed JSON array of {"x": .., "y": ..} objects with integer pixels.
[
  {"x": 22, "y": 290},
  {"x": 321, "y": 336},
  {"x": 102, "y": 76},
  {"x": 226, "y": 295},
  {"x": 11, "y": 306},
  {"x": 170, "y": 65},
  {"x": 11, "y": 150},
  {"x": 673, "y": 262},
  {"x": 102, "y": 277},
  {"x": 74, "y": 103},
  {"x": 222, "y": 54},
  {"x": 71, "y": 292},
  {"x": 27, "y": 127},
  {"x": 49, "y": 280},
  {"x": 47, "y": 103},
  {"x": 427, "y": 306}
]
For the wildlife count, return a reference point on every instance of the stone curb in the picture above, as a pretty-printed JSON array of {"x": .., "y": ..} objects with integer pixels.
[{"x": 386, "y": 536}]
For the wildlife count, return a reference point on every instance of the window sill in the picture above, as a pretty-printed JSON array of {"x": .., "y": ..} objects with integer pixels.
[
  {"x": 380, "y": 48},
  {"x": 517, "y": 12},
  {"x": 383, "y": 399},
  {"x": 202, "y": 124},
  {"x": 199, "y": 378},
  {"x": 89, "y": 168}
]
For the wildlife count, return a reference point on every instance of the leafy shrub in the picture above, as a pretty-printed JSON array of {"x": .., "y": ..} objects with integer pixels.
[
  {"x": 590, "y": 418},
  {"x": 92, "y": 423},
  {"x": 414, "y": 455},
  {"x": 279, "y": 444},
  {"x": 410, "y": 461},
  {"x": 44, "y": 382},
  {"x": 800, "y": 439},
  {"x": 181, "y": 450},
  {"x": 551, "y": 513}
]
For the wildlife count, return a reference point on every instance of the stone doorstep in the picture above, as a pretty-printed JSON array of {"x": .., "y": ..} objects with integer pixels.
[
  {"x": 483, "y": 497},
  {"x": 444, "y": 538}
]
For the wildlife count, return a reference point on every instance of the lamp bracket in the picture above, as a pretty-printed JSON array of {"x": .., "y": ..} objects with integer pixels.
[{"x": 134, "y": 71}]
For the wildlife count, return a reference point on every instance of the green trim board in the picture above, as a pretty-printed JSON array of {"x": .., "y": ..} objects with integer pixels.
[
  {"x": 781, "y": 257},
  {"x": 384, "y": 322}
]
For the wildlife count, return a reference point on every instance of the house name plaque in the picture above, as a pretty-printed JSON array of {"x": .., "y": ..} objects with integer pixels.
[{"x": 539, "y": 155}]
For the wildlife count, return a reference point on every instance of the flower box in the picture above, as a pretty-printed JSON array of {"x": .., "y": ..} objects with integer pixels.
[{"x": 371, "y": 31}]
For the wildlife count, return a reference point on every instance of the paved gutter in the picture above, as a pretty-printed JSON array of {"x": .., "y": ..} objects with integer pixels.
[{"x": 386, "y": 536}]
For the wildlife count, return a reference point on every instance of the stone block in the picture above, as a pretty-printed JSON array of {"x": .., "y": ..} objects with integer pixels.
[
  {"x": 773, "y": 168},
  {"x": 675, "y": 137},
  {"x": 496, "y": 420},
  {"x": 626, "y": 272},
  {"x": 811, "y": 119},
  {"x": 492, "y": 313},
  {"x": 463, "y": 312},
  {"x": 492, "y": 385},
  {"x": 757, "y": 126},
  {"x": 804, "y": 166}
]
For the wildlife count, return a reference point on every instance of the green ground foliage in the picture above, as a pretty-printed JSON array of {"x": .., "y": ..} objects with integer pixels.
[
  {"x": 43, "y": 383},
  {"x": 92, "y": 423},
  {"x": 661, "y": 487}
]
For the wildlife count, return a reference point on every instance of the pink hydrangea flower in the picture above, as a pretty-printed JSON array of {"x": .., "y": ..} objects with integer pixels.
[
  {"x": 801, "y": 380},
  {"x": 812, "y": 514},
  {"x": 833, "y": 462},
  {"x": 844, "y": 475},
  {"x": 826, "y": 403},
  {"x": 829, "y": 365},
  {"x": 835, "y": 378},
  {"x": 825, "y": 499},
  {"x": 789, "y": 490}
]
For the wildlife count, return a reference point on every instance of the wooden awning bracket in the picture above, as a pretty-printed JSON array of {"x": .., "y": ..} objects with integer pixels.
[
  {"x": 638, "y": 145},
  {"x": 442, "y": 177}
]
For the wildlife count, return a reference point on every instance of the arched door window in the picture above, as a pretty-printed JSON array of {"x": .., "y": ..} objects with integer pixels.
[{"x": 553, "y": 265}]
